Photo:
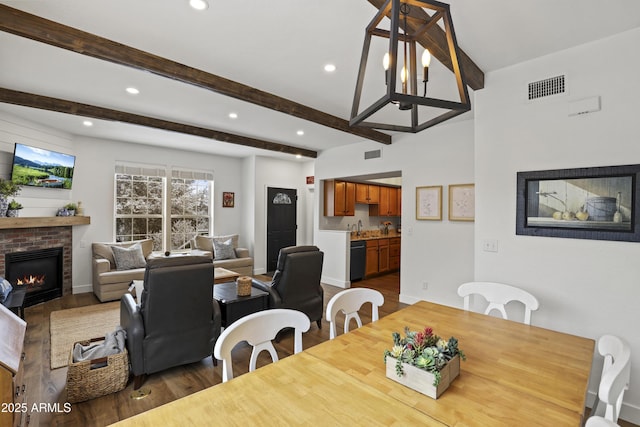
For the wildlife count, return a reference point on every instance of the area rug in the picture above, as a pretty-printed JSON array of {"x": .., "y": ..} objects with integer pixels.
[{"x": 77, "y": 324}]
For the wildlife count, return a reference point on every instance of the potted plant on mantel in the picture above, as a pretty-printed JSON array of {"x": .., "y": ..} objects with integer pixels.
[
  {"x": 8, "y": 189},
  {"x": 14, "y": 208}
]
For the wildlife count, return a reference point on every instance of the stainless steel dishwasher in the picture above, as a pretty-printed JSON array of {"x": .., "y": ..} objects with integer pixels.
[{"x": 358, "y": 259}]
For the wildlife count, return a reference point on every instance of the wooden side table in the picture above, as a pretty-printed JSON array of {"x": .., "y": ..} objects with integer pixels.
[{"x": 233, "y": 307}]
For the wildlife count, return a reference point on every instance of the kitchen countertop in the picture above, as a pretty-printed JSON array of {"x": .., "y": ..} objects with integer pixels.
[{"x": 370, "y": 235}]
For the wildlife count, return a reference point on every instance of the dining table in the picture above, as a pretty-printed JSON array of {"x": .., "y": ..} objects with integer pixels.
[{"x": 514, "y": 374}]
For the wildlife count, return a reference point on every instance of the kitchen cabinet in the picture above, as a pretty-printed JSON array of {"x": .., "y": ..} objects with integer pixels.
[
  {"x": 394, "y": 253},
  {"x": 389, "y": 202},
  {"x": 383, "y": 255},
  {"x": 367, "y": 193},
  {"x": 339, "y": 198},
  {"x": 372, "y": 257}
]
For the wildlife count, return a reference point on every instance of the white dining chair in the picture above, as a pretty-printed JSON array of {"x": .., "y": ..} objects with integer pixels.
[
  {"x": 497, "y": 295},
  {"x": 616, "y": 372},
  {"x": 258, "y": 330},
  {"x": 349, "y": 302},
  {"x": 596, "y": 421}
]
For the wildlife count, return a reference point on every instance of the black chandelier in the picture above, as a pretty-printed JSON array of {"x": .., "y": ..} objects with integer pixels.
[{"x": 412, "y": 21}]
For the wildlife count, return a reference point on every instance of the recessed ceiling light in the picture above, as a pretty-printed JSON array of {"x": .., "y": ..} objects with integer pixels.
[
  {"x": 330, "y": 68},
  {"x": 132, "y": 90},
  {"x": 233, "y": 115},
  {"x": 300, "y": 132},
  {"x": 198, "y": 4},
  {"x": 87, "y": 123},
  {"x": 298, "y": 156}
]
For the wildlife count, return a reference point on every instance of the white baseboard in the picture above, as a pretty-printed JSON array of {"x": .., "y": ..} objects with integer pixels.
[
  {"x": 336, "y": 282},
  {"x": 82, "y": 289}
]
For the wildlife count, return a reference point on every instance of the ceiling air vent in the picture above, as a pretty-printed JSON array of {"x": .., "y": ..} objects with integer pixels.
[
  {"x": 372, "y": 154},
  {"x": 547, "y": 87}
]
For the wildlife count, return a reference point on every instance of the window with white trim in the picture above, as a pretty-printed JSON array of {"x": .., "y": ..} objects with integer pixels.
[{"x": 171, "y": 211}]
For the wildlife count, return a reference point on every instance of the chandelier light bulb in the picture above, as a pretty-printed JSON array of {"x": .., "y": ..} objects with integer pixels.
[
  {"x": 404, "y": 75},
  {"x": 385, "y": 61},
  {"x": 426, "y": 58}
]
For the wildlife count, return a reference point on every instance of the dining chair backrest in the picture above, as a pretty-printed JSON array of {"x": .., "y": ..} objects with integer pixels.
[
  {"x": 497, "y": 295},
  {"x": 349, "y": 302},
  {"x": 596, "y": 421},
  {"x": 258, "y": 329},
  {"x": 616, "y": 372}
]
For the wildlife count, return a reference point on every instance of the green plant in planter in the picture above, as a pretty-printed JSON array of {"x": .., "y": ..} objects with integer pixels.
[
  {"x": 9, "y": 188},
  {"x": 14, "y": 206},
  {"x": 71, "y": 207}
]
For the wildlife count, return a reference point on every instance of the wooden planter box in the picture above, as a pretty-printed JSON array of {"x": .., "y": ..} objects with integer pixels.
[{"x": 422, "y": 381}]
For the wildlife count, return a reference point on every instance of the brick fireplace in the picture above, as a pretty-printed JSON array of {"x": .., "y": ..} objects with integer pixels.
[{"x": 37, "y": 238}]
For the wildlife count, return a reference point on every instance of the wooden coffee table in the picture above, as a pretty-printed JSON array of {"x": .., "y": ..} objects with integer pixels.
[{"x": 222, "y": 275}]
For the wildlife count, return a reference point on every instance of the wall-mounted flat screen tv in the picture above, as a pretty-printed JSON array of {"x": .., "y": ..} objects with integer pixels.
[{"x": 37, "y": 167}]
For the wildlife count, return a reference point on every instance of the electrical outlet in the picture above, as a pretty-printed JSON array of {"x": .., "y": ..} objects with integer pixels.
[
  {"x": 425, "y": 285},
  {"x": 490, "y": 245}
]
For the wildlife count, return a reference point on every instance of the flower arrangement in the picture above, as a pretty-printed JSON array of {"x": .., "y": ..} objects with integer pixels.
[{"x": 424, "y": 350}]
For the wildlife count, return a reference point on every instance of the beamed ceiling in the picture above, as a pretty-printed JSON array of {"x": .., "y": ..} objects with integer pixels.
[{"x": 68, "y": 60}]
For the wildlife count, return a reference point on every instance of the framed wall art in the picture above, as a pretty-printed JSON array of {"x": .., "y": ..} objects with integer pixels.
[
  {"x": 228, "y": 199},
  {"x": 462, "y": 202},
  {"x": 429, "y": 203},
  {"x": 599, "y": 203}
]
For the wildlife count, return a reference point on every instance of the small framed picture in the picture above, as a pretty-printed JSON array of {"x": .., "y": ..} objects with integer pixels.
[
  {"x": 462, "y": 202},
  {"x": 228, "y": 199},
  {"x": 429, "y": 203}
]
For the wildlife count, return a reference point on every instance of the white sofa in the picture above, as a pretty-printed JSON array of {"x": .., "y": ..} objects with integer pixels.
[
  {"x": 240, "y": 261},
  {"x": 110, "y": 284}
]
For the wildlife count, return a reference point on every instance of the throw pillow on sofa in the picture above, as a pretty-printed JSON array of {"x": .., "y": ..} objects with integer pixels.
[
  {"x": 128, "y": 258},
  {"x": 224, "y": 250}
]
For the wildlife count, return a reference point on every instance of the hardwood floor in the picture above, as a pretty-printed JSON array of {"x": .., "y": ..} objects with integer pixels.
[{"x": 46, "y": 386}]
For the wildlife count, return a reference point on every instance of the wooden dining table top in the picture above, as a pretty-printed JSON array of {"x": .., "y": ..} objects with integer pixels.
[{"x": 514, "y": 375}]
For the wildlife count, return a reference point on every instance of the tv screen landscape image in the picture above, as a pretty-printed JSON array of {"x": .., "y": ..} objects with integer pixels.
[{"x": 37, "y": 167}]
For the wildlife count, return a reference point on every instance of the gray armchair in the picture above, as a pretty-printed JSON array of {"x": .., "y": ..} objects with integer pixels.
[
  {"x": 296, "y": 282},
  {"x": 177, "y": 321}
]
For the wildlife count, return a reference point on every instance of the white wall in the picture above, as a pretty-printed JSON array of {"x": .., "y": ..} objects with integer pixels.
[
  {"x": 437, "y": 252},
  {"x": 36, "y": 201},
  {"x": 585, "y": 287},
  {"x": 271, "y": 172}
]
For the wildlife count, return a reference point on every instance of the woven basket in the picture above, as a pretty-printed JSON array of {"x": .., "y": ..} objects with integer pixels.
[
  {"x": 244, "y": 286},
  {"x": 92, "y": 378}
]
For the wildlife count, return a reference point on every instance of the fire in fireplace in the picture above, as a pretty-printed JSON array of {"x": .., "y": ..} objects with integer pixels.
[{"x": 39, "y": 270}]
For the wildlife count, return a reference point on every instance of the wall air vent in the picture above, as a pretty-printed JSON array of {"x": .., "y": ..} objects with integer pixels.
[
  {"x": 374, "y": 154},
  {"x": 547, "y": 87}
]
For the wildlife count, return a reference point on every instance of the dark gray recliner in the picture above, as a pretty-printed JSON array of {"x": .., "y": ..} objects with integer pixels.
[
  {"x": 177, "y": 321},
  {"x": 296, "y": 282}
]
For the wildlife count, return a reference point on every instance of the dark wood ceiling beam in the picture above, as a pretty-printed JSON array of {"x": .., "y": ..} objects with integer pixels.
[
  {"x": 25, "y": 99},
  {"x": 23, "y": 24},
  {"x": 435, "y": 40}
]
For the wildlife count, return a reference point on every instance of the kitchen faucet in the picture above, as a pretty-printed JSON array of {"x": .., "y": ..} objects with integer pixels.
[{"x": 359, "y": 227}]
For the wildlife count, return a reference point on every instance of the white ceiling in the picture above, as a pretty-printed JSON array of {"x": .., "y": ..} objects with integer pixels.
[{"x": 278, "y": 46}]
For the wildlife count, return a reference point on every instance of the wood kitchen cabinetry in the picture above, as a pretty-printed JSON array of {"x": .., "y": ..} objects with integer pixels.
[
  {"x": 367, "y": 193},
  {"x": 339, "y": 198},
  {"x": 12, "y": 387},
  {"x": 389, "y": 204},
  {"x": 394, "y": 253},
  {"x": 372, "y": 258},
  {"x": 383, "y": 256}
]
